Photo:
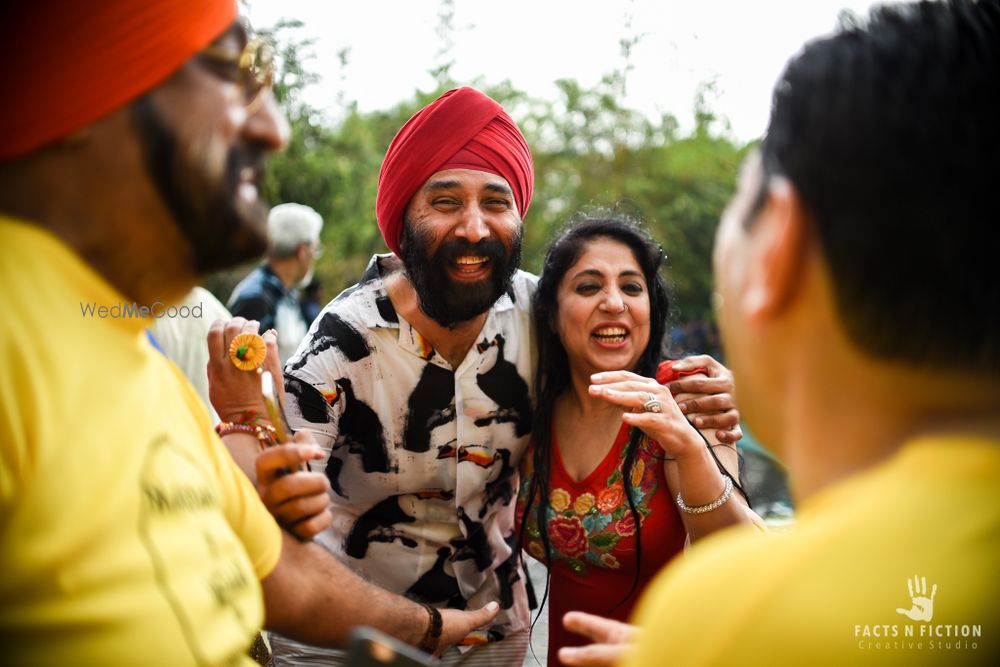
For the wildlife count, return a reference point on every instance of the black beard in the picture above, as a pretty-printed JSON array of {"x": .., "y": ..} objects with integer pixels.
[
  {"x": 444, "y": 300},
  {"x": 220, "y": 232}
]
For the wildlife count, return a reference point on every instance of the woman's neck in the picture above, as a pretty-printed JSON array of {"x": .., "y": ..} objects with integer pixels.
[
  {"x": 578, "y": 403},
  {"x": 585, "y": 427}
]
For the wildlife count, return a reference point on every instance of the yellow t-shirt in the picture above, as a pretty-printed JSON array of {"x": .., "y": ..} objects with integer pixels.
[
  {"x": 839, "y": 588},
  {"x": 129, "y": 536}
]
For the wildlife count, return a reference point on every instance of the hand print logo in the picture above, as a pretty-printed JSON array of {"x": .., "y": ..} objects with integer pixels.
[{"x": 923, "y": 606}]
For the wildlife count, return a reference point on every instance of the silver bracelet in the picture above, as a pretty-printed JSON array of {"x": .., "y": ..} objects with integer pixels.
[{"x": 727, "y": 492}]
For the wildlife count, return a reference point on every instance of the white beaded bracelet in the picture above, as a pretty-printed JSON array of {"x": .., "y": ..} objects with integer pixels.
[{"x": 718, "y": 502}]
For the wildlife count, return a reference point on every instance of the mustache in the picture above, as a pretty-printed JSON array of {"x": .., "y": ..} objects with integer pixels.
[{"x": 490, "y": 248}]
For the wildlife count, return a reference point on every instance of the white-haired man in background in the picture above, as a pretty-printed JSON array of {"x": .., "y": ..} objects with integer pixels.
[{"x": 268, "y": 293}]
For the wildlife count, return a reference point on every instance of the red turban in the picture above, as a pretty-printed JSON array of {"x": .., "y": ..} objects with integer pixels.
[
  {"x": 462, "y": 129},
  {"x": 68, "y": 63}
]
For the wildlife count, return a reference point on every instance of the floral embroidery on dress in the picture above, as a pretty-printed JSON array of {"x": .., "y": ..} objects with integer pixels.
[
  {"x": 584, "y": 531},
  {"x": 559, "y": 500},
  {"x": 583, "y": 503}
]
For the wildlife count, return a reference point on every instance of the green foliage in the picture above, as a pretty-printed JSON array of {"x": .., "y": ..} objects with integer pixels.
[{"x": 589, "y": 150}]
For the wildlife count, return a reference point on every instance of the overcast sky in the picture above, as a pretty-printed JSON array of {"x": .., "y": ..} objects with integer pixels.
[{"x": 740, "y": 45}]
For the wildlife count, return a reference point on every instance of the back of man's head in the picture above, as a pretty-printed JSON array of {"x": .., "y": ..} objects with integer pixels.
[
  {"x": 890, "y": 132},
  {"x": 290, "y": 225}
]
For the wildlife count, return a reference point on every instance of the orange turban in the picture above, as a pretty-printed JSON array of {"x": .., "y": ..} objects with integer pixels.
[
  {"x": 68, "y": 63},
  {"x": 462, "y": 129}
]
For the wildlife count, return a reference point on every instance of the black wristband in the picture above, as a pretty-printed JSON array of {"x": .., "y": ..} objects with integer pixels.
[{"x": 432, "y": 637}]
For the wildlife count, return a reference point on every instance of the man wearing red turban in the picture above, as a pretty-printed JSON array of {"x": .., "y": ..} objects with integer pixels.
[
  {"x": 131, "y": 147},
  {"x": 416, "y": 380},
  {"x": 462, "y": 129}
]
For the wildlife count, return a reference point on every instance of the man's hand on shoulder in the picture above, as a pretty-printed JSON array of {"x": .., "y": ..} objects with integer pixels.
[{"x": 708, "y": 398}]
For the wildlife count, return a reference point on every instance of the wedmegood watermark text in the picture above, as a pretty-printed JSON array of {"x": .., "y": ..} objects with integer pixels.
[{"x": 128, "y": 310}]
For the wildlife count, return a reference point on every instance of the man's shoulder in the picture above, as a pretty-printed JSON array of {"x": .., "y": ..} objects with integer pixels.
[
  {"x": 363, "y": 305},
  {"x": 525, "y": 280},
  {"x": 741, "y": 580},
  {"x": 256, "y": 286},
  {"x": 344, "y": 330},
  {"x": 522, "y": 289},
  {"x": 716, "y": 563},
  {"x": 845, "y": 564},
  {"x": 710, "y": 581}
]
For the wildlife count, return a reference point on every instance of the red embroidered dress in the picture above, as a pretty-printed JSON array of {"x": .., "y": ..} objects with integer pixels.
[{"x": 592, "y": 532}]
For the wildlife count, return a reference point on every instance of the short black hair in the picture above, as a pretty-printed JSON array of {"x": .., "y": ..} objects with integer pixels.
[{"x": 889, "y": 130}]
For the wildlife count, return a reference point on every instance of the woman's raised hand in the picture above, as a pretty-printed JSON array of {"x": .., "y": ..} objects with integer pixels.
[{"x": 650, "y": 407}]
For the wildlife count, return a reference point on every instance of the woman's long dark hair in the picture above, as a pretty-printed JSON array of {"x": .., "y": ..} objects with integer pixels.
[{"x": 553, "y": 376}]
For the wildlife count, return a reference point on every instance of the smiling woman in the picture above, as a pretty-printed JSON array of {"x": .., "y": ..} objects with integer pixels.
[
  {"x": 616, "y": 479},
  {"x": 604, "y": 308}
]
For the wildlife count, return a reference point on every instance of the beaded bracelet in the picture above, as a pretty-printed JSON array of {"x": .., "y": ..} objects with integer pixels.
[
  {"x": 727, "y": 492},
  {"x": 263, "y": 432},
  {"x": 431, "y": 638}
]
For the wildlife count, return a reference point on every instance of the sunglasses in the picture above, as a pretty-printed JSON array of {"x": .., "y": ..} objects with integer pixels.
[{"x": 255, "y": 68}]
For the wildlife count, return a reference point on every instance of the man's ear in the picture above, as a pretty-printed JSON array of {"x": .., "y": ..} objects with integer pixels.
[
  {"x": 400, "y": 240},
  {"x": 779, "y": 244}
]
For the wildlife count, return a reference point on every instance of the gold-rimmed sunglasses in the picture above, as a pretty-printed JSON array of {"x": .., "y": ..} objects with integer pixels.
[{"x": 255, "y": 66}]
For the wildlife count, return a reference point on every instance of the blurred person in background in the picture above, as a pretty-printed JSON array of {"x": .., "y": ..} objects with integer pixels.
[
  {"x": 311, "y": 300},
  {"x": 269, "y": 293},
  {"x": 181, "y": 336}
]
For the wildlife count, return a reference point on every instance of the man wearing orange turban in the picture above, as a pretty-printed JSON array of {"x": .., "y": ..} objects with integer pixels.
[
  {"x": 131, "y": 148},
  {"x": 416, "y": 380}
]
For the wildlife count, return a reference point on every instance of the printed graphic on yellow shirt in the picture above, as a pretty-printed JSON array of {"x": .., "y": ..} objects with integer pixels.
[
  {"x": 199, "y": 566},
  {"x": 922, "y": 635},
  {"x": 923, "y": 606}
]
